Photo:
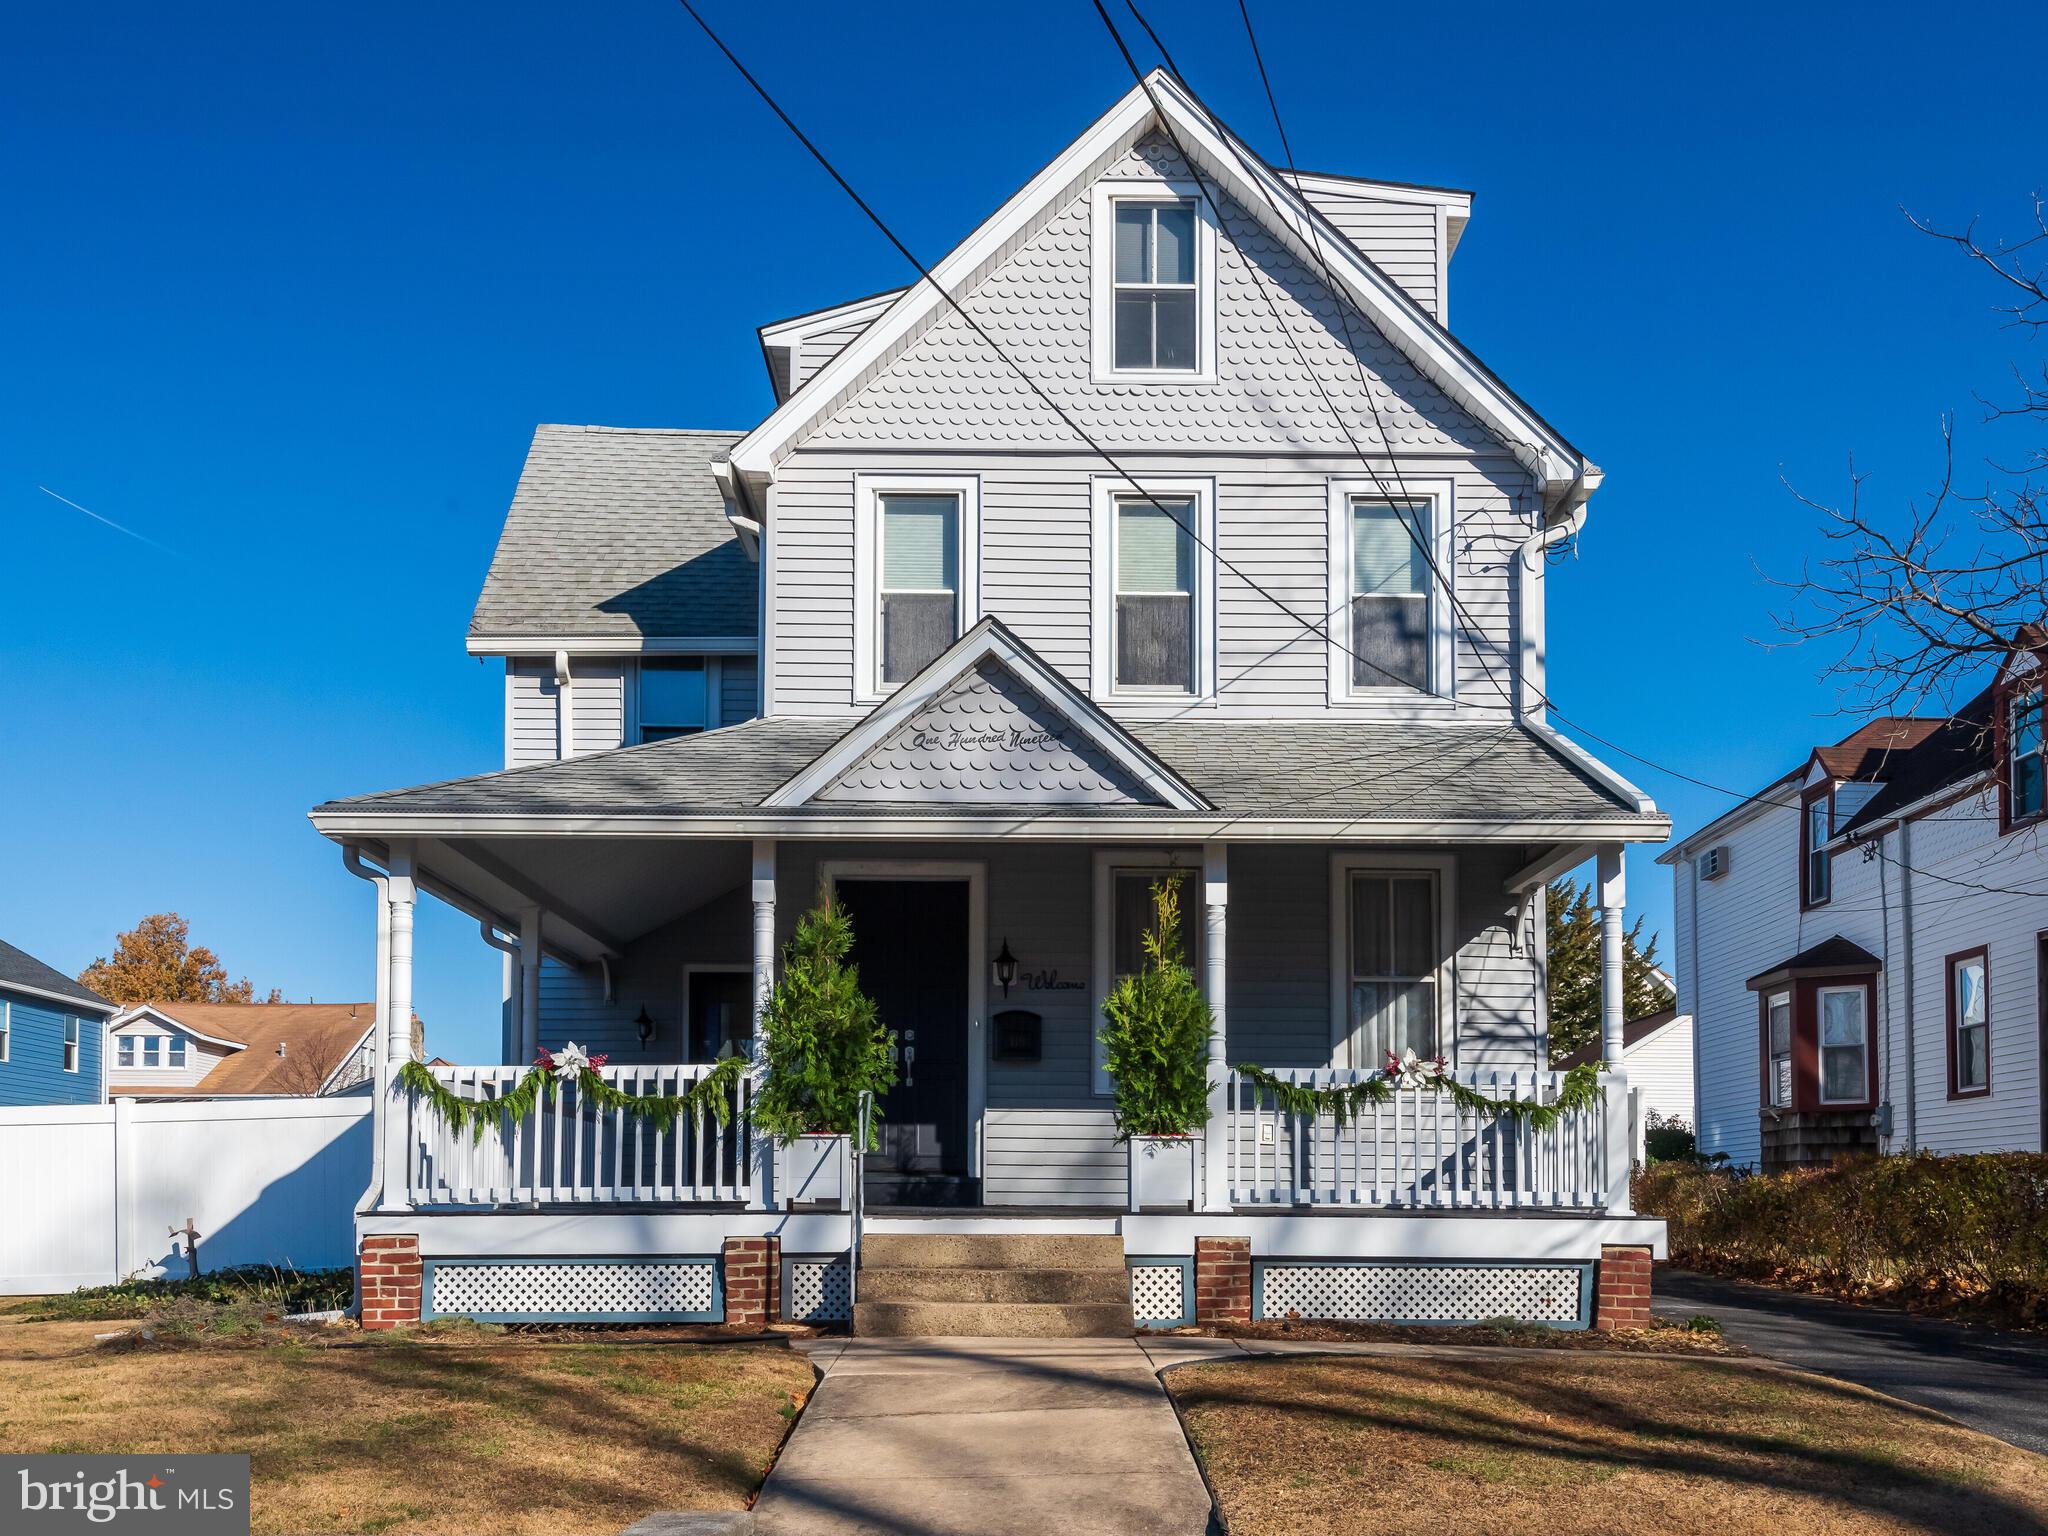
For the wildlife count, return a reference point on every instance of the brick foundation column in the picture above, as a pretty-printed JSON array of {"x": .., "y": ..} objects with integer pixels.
[
  {"x": 1223, "y": 1279},
  {"x": 753, "y": 1281},
  {"x": 388, "y": 1274},
  {"x": 1621, "y": 1289}
]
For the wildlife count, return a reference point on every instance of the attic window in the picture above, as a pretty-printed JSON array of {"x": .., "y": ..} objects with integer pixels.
[{"x": 1153, "y": 263}]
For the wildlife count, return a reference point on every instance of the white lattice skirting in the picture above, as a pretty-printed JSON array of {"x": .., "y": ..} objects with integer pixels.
[
  {"x": 817, "y": 1291},
  {"x": 1424, "y": 1293},
  {"x": 572, "y": 1290},
  {"x": 1159, "y": 1295}
]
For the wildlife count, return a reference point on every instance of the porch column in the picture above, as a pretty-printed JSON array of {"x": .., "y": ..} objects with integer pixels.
[
  {"x": 1618, "y": 1144},
  {"x": 529, "y": 986},
  {"x": 401, "y": 894},
  {"x": 1215, "y": 911},
  {"x": 761, "y": 1148}
]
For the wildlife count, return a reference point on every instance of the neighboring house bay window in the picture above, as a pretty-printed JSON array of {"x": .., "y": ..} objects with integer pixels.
[
  {"x": 675, "y": 697},
  {"x": 1969, "y": 1024},
  {"x": 1844, "y": 1045},
  {"x": 1156, "y": 290},
  {"x": 916, "y": 561},
  {"x": 1155, "y": 595},
  {"x": 2026, "y": 765},
  {"x": 1778, "y": 1047}
]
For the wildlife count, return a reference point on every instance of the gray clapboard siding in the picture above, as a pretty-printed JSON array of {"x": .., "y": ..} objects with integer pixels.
[
  {"x": 739, "y": 689},
  {"x": 1400, "y": 237},
  {"x": 598, "y": 704},
  {"x": 818, "y": 349},
  {"x": 531, "y": 723}
]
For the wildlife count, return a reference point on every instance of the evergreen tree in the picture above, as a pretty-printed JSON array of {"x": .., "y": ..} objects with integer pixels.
[
  {"x": 822, "y": 1039},
  {"x": 1573, "y": 925},
  {"x": 1155, "y": 1037}
]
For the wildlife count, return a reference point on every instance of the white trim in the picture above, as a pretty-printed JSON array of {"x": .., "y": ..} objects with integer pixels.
[
  {"x": 975, "y": 873},
  {"x": 1343, "y": 865},
  {"x": 141, "y": 1011},
  {"x": 1442, "y": 496},
  {"x": 104, "y": 1010},
  {"x": 787, "y": 333},
  {"x": 987, "y": 639},
  {"x": 1820, "y": 1041},
  {"x": 1385, "y": 305},
  {"x": 1105, "y": 491},
  {"x": 1590, "y": 765},
  {"x": 868, "y": 489},
  {"x": 7, "y": 1031},
  {"x": 1107, "y": 862},
  {"x": 744, "y": 969},
  {"x": 543, "y": 647},
  {"x": 1102, "y": 200}
]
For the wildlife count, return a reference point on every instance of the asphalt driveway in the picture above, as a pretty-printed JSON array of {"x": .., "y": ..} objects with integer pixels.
[{"x": 1987, "y": 1379}]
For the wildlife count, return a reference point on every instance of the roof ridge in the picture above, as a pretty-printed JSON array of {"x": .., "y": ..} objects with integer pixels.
[{"x": 594, "y": 426}]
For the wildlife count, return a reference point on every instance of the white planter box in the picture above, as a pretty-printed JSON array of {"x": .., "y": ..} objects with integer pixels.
[
  {"x": 1163, "y": 1172},
  {"x": 815, "y": 1171}
]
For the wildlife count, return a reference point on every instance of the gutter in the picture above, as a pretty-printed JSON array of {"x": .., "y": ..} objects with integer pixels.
[{"x": 1565, "y": 518}]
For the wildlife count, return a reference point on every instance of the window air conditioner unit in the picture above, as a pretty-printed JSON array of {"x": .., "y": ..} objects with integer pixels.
[{"x": 1714, "y": 863}]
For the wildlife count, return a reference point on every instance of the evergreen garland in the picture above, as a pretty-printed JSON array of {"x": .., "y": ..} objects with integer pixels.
[
  {"x": 714, "y": 1092},
  {"x": 1580, "y": 1090}
]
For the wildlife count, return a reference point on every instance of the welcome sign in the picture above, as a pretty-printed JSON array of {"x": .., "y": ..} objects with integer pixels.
[{"x": 137, "y": 1495}]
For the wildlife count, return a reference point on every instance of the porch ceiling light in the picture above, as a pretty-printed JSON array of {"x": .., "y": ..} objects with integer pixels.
[
  {"x": 645, "y": 1024},
  {"x": 1006, "y": 967}
]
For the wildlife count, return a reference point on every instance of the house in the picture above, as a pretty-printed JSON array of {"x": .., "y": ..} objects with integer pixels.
[
  {"x": 240, "y": 1050},
  {"x": 1191, "y": 543},
  {"x": 1864, "y": 942},
  {"x": 1656, "y": 1055},
  {"x": 50, "y": 1029}
]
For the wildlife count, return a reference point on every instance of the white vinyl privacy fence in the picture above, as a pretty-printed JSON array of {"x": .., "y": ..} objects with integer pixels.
[{"x": 89, "y": 1193}]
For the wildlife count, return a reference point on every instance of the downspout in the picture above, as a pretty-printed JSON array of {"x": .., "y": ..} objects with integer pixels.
[
  {"x": 1559, "y": 524},
  {"x": 509, "y": 1035},
  {"x": 565, "y": 708}
]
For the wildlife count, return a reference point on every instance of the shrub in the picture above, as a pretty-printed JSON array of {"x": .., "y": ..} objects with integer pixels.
[
  {"x": 1937, "y": 1229},
  {"x": 1667, "y": 1141},
  {"x": 1156, "y": 1035},
  {"x": 256, "y": 1286},
  {"x": 824, "y": 1045}
]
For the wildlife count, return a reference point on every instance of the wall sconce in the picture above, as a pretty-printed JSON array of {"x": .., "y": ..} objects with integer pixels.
[
  {"x": 645, "y": 1024},
  {"x": 1006, "y": 967}
]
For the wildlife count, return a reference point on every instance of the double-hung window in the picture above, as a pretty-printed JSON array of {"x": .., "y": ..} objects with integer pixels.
[
  {"x": 124, "y": 1050},
  {"x": 2026, "y": 764},
  {"x": 1156, "y": 286},
  {"x": 1844, "y": 1045},
  {"x": 675, "y": 697},
  {"x": 1969, "y": 1024},
  {"x": 1390, "y": 620},
  {"x": 920, "y": 589},
  {"x": 1778, "y": 1048},
  {"x": 1155, "y": 593},
  {"x": 6, "y": 1029},
  {"x": 1817, "y": 826},
  {"x": 70, "y": 1044},
  {"x": 176, "y": 1052},
  {"x": 1392, "y": 965},
  {"x": 152, "y": 1050}
]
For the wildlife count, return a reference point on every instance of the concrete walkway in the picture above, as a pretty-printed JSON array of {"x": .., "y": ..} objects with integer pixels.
[
  {"x": 933, "y": 1437},
  {"x": 1987, "y": 1379}
]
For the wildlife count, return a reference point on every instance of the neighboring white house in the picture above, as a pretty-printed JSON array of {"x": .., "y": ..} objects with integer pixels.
[
  {"x": 987, "y": 652},
  {"x": 1865, "y": 942},
  {"x": 1656, "y": 1054},
  {"x": 224, "y": 1050}
]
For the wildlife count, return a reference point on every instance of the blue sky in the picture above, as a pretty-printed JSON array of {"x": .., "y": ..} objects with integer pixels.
[{"x": 285, "y": 291}]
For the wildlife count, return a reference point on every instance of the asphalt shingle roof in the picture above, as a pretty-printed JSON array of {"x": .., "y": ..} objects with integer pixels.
[
  {"x": 1283, "y": 770},
  {"x": 24, "y": 969},
  {"x": 618, "y": 531}
]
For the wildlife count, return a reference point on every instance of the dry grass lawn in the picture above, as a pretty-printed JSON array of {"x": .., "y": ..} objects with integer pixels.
[
  {"x": 443, "y": 1436},
  {"x": 1564, "y": 1444}
]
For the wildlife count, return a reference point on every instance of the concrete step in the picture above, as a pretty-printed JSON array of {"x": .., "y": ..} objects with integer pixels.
[
  {"x": 960, "y": 1282},
  {"x": 991, "y": 1250},
  {"x": 991, "y": 1320}
]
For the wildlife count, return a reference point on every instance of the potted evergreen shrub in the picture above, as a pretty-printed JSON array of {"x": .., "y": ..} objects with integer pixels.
[
  {"x": 1156, "y": 1044},
  {"x": 822, "y": 1047}
]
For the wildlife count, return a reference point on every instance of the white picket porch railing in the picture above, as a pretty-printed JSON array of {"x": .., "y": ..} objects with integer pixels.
[
  {"x": 566, "y": 1150},
  {"x": 1420, "y": 1149}
]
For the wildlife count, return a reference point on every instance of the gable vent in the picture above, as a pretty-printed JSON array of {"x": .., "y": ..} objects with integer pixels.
[{"x": 1714, "y": 863}]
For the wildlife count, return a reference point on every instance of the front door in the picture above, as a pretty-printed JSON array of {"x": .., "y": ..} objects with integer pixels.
[{"x": 910, "y": 942}]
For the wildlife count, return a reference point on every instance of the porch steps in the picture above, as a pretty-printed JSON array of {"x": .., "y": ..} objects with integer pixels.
[{"x": 993, "y": 1285}]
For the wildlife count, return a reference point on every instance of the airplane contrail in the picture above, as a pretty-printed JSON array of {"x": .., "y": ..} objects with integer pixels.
[{"x": 88, "y": 511}]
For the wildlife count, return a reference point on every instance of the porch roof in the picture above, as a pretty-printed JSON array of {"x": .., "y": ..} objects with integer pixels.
[{"x": 1369, "y": 779}]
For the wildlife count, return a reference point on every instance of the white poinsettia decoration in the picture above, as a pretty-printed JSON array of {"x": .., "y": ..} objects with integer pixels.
[
  {"x": 1408, "y": 1070},
  {"x": 568, "y": 1063}
]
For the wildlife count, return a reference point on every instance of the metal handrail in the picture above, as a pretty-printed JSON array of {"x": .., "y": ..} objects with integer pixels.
[{"x": 858, "y": 1196}]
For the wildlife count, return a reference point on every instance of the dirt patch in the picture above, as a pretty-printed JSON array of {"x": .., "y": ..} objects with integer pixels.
[
  {"x": 439, "y": 1432},
  {"x": 1584, "y": 1443}
]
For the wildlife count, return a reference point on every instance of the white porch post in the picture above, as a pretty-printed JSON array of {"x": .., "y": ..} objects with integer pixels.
[
  {"x": 529, "y": 985},
  {"x": 762, "y": 1151},
  {"x": 396, "y": 1131},
  {"x": 1618, "y": 1147},
  {"x": 1215, "y": 912}
]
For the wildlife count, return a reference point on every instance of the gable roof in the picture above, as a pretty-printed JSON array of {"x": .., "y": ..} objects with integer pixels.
[
  {"x": 1633, "y": 1033},
  {"x": 323, "y": 1035},
  {"x": 1267, "y": 196},
  {"x": 1876, "y": 750},
  {"x": 619, "y": 534},
  {"x": 23, "y": 972}
]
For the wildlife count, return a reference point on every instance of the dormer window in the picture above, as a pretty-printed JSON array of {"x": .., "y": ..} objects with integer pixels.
[
  {"x": 2026, "y": 769},
  {"x": 675, "y": 697},
  {"x": 1154, "y": 283}
]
